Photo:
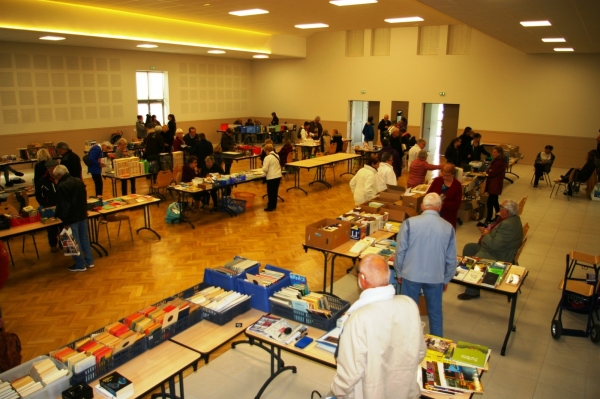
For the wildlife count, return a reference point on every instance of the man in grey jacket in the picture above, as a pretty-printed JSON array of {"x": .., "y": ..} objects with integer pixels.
[
  {"x": 499, "y": 241},
  {"x": 140, "y": 128}
]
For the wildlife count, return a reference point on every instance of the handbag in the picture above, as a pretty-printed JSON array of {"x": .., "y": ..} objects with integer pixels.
[
  {"x": 217, "y": 149},
  {"x": 70, "y": 246}
]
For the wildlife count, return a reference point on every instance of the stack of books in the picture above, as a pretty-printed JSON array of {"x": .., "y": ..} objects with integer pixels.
[
  {"x": 450, "y": 368},
  {"x": 142, "y": 324},
  {"x": 217, "y": 299},
  {"x": 292, "y": 297},
  {"x": 46, "y": 371},
  {"x": 240, "y": 265},
  {"x": 7, "y": 391},
  {"x": 265, "y": 278},
  {"x": 115, "y": 386},
  {"x": 330, "y": 340},
  {"x": 26, "y": 386},
  {"x": 279, "y": 329}
]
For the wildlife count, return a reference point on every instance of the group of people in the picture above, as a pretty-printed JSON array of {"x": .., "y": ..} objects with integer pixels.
[
  {"x": 166, "y": 132},
  {"x": 465, "y": 149}
]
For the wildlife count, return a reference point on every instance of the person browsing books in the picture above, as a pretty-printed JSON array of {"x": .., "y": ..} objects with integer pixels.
[
  {"x": 450, "y": 190},
  {"x": 272, "y": 169},
  {"x": 499, "y": 241},
  {"x": 426, "y": 258},
  {"x": 381, "y": 344}
]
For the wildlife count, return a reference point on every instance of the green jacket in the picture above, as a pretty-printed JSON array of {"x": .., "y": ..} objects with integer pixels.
[{"x": 503, "y": 242}]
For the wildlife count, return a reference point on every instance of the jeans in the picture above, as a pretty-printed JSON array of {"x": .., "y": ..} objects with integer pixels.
[
  {"x": 272, "y": 189},
  {"x": 80, "y": 233},
  {"x": 124, "y": 186},
  {"x": 98, "y": 184},
  {"x": 471, "y": 249},
  {"x": 433, "y": 296}
]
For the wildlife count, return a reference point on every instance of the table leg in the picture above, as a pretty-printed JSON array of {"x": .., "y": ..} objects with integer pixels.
[
  {"x": 349, "y": 171},
  {"x": 93, "y": 233},
  {"x": 297, "y": 182},
  {"x": 506, "y": 178},
  {"x": 182, "y": 206},
  {"x": 9, "y": 251},
  {"x": 320, "y": 177},
  {"x": 147, "y": 225},
  {"x": 511, "y": 319},
  {"x": 252, "y": 163},
  {"x": 277, "y": 367}
]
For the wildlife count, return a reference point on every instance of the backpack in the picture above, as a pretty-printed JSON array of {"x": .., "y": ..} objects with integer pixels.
[{"x": 10, "y": 351}]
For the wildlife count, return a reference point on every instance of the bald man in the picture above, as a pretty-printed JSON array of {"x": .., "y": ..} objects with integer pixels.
[{"x": 382, "y": 341}]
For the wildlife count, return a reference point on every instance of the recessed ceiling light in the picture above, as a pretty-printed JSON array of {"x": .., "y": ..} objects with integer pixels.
[
  {"x": 53, "y": 38},
  {"x": 554, "y": 40},
  {"x": 254, "y": 11},
  {"x": 147, "y": 46},
  {"x": 407, "y": 19},
  {"x": 536, "y": 23},
  {"x": 216, "y": 52},
  {"x": 351, "y": 2},
  {"x": 563, "y": 49},
  {"x": 311, "y": 26},
  {"x": 260, "y": 56}
]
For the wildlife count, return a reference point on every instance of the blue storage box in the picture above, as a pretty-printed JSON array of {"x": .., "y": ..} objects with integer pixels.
[
  {"x": 260, "y": 294},
  {"x": 224, "y": 281},
  {"x": 243, "y": 129}
]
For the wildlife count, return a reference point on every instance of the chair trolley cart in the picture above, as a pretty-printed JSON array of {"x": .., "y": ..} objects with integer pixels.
[{"x": 579, "y": 295}]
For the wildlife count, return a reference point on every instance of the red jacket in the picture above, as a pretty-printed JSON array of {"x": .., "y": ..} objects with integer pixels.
[
  {"x": 452, "y": 199},
  {"x": 418, "y": 170},
  {"x": 495, "y": 179}
]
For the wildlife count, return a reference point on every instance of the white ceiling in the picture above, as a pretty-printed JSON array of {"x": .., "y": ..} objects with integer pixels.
[{"x": 576, "y": 20}]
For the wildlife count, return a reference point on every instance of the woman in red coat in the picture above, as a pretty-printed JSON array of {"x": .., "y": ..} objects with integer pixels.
[
  {"x": 450, "y": 190},
  {"x": 495, "y": 182}
]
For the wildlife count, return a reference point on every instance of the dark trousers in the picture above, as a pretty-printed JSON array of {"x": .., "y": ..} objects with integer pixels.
[
  {"x": 493, "y": 206},
  {"x": 213, "y": 195},
  {"x": 228, "y": 163},
  {"x": 124, "y": 186},
  {"x": 272, "y": 189},
  {"x": 539, "y": 172},
  {"x": 53, "y": 234},
  {"x": 98, "y": 184}
]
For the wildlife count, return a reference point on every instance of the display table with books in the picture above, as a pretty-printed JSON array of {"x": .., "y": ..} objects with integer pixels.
[
  {"x": 496, "y": 277},
  {"x": 114, "y": 178},
  {"x": 128, "y": 203},
  {"x": 30, "y": 228},
  {"x": 240, "y": 157},
  {"x": 319, "y": 163}
]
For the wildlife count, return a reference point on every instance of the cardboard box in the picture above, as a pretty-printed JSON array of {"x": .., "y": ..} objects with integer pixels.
[
  {"x": 397, "y": 213},
  {"x": 413, "y": 202},
  {"x": 370, "y": 209},
  {"x": 358, "y": 231},
  {"x": 323, "y": 239},
  {"x": 393, "y": 193}
]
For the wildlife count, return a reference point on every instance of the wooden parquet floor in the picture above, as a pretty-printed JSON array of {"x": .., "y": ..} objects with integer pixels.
[{"x": 48, "y": 306}]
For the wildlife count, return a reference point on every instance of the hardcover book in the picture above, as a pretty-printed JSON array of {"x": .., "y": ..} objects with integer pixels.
[
  {"x": 117, "y": 385},
  {"x": 472, "y": 354}
]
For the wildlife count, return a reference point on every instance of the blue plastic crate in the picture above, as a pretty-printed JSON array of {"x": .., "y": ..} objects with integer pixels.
[
  {"x": 222, "y": 318},
  {"x": 337, "y": 307},
  {"x": 260, "y": 294},
  {"x": 163, "y": 334},
  {"x": 224, "y": 281}
]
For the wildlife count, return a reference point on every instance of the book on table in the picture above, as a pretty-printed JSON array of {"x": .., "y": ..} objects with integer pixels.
[
  {"x": 278, "y": 329},
  {"x": 117, "y": 385},
  {"x": 470, "y": 354},
  {"x": 450, "y": 378},
  {"x": 330, "y": 340},
  {"x": 515, "y": 275},
  {"x": 436, "y": 347},
  {"x": 473, "y": 277},
  {"x": 460, "y": 274}
]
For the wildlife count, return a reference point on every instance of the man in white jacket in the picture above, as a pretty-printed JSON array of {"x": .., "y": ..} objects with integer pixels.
[
  {"x": 385, "y": 174},
  {"x": 382, "y": 342},
  {"x": 364, "y": 183}
]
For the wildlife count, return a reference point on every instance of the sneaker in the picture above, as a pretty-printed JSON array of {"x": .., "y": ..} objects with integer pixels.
[
  {"x": 9, "y": 184},
  {"x": 90, "y": 266},
  {"x": 77, "y": 269},
  {"x": 19, "y": 174}
]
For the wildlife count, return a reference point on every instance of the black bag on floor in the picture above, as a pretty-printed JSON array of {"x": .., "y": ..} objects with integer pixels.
[{"x": 10, "y": 351}]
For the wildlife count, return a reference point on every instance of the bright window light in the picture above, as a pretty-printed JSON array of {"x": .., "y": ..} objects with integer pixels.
[
  {"x": 260, "y": 56},
  {"x": 311, "y": 26},
  {"x": 351, "y": 2},
  {"x": 147, "y": 45},
  {"x": 400, "y": 20},
  {"x": 245, "y": 13},
  {"x": 536, "y": 23},
  {"x": 554, "y": 40},
  {"x": 53, "y": 38},
  {"x": 563, "y": 49},
  {"x": 215, "y": 52}
]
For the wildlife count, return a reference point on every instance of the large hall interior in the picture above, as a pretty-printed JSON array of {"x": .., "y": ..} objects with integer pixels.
[{"x": 475, "y": 59}]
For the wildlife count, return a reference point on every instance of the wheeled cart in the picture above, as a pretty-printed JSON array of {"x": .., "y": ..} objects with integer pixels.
[{"x": 579, "y": 295}]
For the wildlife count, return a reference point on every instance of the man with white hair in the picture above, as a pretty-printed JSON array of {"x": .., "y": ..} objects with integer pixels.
[
  {"x": 382, "y": 343},
  {"x": 426, "y": 258},
  {"x": 71, "y": 208},
  {"x": 316, "y": 129},
  {"x": 499, "y": 241},
  {"x": 413, "y": 153}
]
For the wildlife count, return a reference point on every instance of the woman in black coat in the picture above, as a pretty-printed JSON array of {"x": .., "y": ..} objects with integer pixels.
[{"x": 452, "y": 154}]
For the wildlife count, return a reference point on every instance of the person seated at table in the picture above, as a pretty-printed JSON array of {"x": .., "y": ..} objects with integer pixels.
[
  {"x": 249, "y": 122},
  {"x": 338, "y": 140},
  {"x": 450, "y": 190},
  {"x": 211, "y": 167},
  {"x": 364, "y": 184},
  {"x": 478, "y": 148},
  {"x": 396, "y": 159},
  {"x": 122, "y": 152},
  {"x": 284, "y": 151},
  {"x": 381, "y": 344},
  {"x": 452, "y": 153},
  {"x": 543, "y": 163},
  {"x": 421, "y": 166},
  {"x": 581, "y": 175},
  {"x": 201, "y": 149},
  {"x": 190, "y": 171},
  {"x": 45, "y": 195},
  {"x": 499, "y": 241},
  {"x": 385, "y": 174},
  {"x": 178, "y": 141},
  {"x": 40, "y": 170}
]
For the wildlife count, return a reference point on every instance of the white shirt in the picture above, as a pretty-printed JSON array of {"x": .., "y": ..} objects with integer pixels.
[
  {"x": 386, "y": 176},
  {"x": 271, "y": 166},
  {"x": 412, "y": 155},
  {"x": 303, "y": 134},
  {"x": 364, "y": 184}
]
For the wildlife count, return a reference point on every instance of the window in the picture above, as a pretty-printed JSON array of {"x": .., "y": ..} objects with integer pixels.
[{"x": 151, "y": 94}]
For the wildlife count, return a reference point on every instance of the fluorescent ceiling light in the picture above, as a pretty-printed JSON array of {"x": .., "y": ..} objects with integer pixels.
[
  {"x": 260, "y": 56},
  {"x": 351, "y": 2},
  {"x": 536, "y": 23},
  {"x": 554, "y": 40},
  {"x": 311, "y": 26},
  {"x": 216, "y": 52},
  {"x": 147, "y": 45},
  {"x": 244, "y": 13},
  {"x": 53, "y": 38},
  {"x": 407, "y": 19},
  {"x": 563, "y": 49}
]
